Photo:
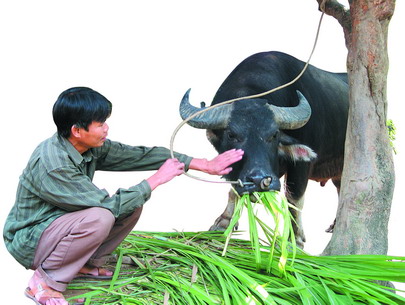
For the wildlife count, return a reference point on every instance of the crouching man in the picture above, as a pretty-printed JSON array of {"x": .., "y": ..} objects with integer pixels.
[{"x": 62, "y": 225}]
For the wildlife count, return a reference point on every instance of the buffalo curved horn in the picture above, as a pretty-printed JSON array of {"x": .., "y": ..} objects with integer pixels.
[
  {"x": 216, "y": 118},
  {"x": 292, "y": 117}
]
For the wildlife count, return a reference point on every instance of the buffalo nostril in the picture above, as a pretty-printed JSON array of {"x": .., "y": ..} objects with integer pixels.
[{"x": 265, "y": 183}]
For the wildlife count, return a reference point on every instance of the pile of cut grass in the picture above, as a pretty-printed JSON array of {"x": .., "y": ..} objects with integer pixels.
[
  {"x": 215, "y": 268},
  {"x": 188, "y": 268}
]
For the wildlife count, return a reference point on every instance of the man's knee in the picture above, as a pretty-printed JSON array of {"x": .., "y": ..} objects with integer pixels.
[{"x": 100, "y": 220}]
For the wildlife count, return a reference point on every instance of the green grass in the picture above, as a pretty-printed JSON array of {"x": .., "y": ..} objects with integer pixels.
[
  {"x": 282, "y": 235},
  {"x": 188, "y": 268},
  {"x": 215, "y": 268}
]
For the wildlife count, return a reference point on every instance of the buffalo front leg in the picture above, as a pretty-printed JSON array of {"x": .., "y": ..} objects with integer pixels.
[
  {"x": 295, "y": 186},
  {"x": 222, "y": 222},
  {"x": 297, "y": 222}
]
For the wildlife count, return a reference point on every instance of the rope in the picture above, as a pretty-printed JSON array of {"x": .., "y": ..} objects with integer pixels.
[{"x": 239, "y": 182}]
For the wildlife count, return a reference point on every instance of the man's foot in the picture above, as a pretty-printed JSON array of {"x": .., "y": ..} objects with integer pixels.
[
  {"x": 95, "y": 273},
  {"x": 41, "y": 293}
]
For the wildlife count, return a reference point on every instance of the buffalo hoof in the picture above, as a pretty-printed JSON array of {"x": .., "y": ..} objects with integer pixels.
[
  {"x": 221, "y": 224},
  {"x": 300, "y": 242}
]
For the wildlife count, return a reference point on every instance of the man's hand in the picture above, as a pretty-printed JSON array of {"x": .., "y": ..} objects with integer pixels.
[
  {"x": 170, "y": 169},
  {"x": 220, "y": 165}
]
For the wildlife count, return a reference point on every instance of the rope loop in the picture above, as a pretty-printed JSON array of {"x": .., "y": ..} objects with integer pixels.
[{"x": 239, "y": 182}]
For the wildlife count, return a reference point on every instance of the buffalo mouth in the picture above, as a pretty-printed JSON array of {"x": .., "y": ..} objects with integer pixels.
[{"x": 263, "y": 185}]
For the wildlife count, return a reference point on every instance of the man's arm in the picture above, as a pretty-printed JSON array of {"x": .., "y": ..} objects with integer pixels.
[
  {"x": 69, "y": 189},
  {"x": 170, "y": 169},
  {"x": 220, "y": 165},
  {"x": 115, "y": 156}
]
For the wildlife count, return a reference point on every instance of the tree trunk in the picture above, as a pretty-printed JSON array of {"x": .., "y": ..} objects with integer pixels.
[{"x": 368, "y": 176}]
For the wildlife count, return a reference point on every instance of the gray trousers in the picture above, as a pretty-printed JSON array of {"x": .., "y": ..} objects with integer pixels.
[{"x": 79, "y": 238}]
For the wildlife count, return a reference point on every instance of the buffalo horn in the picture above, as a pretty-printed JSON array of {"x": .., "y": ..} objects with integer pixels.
[
  {"x": 292, "y": 117},
  {"x": 216, "y": 118}
]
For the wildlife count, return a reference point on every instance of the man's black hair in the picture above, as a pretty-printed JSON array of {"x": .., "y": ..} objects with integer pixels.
[{"x": 79, "y": 106}]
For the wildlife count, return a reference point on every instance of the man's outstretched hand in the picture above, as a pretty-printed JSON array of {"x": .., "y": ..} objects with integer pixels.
[
  {"x": 170, "y": 169},
  {"x": 220, "y": 165}
]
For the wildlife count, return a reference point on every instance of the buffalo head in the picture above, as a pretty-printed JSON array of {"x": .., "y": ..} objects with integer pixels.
[{"x": 256, "y": 127}]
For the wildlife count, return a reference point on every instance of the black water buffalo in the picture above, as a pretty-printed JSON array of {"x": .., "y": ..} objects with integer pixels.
[{"x": 298, "y": 131}]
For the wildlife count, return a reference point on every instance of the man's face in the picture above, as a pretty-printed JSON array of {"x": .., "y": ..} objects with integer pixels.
[{"x": 95, "y": 136}]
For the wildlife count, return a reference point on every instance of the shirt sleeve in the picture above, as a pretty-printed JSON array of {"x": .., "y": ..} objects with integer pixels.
[
  {"x": 70, "y": 190},
  {"x": 114, "y": 156}
]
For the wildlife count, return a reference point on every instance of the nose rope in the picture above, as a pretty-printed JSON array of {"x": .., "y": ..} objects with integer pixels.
[{"x": 239, "y": 182}]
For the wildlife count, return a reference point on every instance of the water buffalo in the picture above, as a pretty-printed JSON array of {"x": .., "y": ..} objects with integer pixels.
[{"x": 298, "y": 132}]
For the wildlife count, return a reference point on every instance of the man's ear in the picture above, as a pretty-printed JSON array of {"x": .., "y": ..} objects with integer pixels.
[{"x": 75, "y": 131}]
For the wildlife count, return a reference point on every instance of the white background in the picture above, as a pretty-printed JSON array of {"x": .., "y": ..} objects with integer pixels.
[{"x": 143, "y": 56}]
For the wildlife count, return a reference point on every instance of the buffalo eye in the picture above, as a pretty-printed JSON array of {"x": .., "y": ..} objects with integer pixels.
[
  {"x": 273, "y": 137},
  {"x": 232, "y": 137}
]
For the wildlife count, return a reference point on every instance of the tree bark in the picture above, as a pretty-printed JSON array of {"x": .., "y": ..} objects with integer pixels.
[{"x": 368, "y": 176}]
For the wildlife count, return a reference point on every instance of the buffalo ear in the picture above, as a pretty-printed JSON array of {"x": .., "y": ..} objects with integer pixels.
[
  {"x": 212, "y": 137},
  {"x": 289, "y": 148},
  {"x": 296, "y": 152}
]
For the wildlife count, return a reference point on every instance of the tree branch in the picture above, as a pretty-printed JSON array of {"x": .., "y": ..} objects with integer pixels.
[
  {"x": 338, "y": 11},
  {"x": 384, "y": 9}
]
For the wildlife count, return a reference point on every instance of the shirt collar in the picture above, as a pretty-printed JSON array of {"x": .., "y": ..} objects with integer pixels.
[{"x": 73, "y": 153}]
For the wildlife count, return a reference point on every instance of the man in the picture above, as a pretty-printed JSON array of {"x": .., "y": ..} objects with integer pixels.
[{"x": 63, "y": 226}]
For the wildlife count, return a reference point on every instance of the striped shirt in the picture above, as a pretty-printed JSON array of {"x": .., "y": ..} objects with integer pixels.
[{"x": 58, "y": 180}]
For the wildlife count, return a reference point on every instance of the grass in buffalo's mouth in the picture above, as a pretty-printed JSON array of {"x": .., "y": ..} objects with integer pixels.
[
  {"x": 280, "y": 235},
  {"x": 190, "y": 268}
]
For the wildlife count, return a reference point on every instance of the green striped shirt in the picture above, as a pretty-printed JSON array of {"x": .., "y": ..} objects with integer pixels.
[{"x": 58, "y": 180}]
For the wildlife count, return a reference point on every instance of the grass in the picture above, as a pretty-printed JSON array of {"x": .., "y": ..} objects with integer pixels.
[
  {"x": 282, "y": 235},
  {"x": 216, "y": 268}
]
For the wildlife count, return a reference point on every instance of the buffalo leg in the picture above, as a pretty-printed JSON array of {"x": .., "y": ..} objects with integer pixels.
[
  {"x": 336, "y": 182},
  {"x": 295, "y": 186},
  {"x": 297, "y": 222},
  {"x": 222, "y": 222}
]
